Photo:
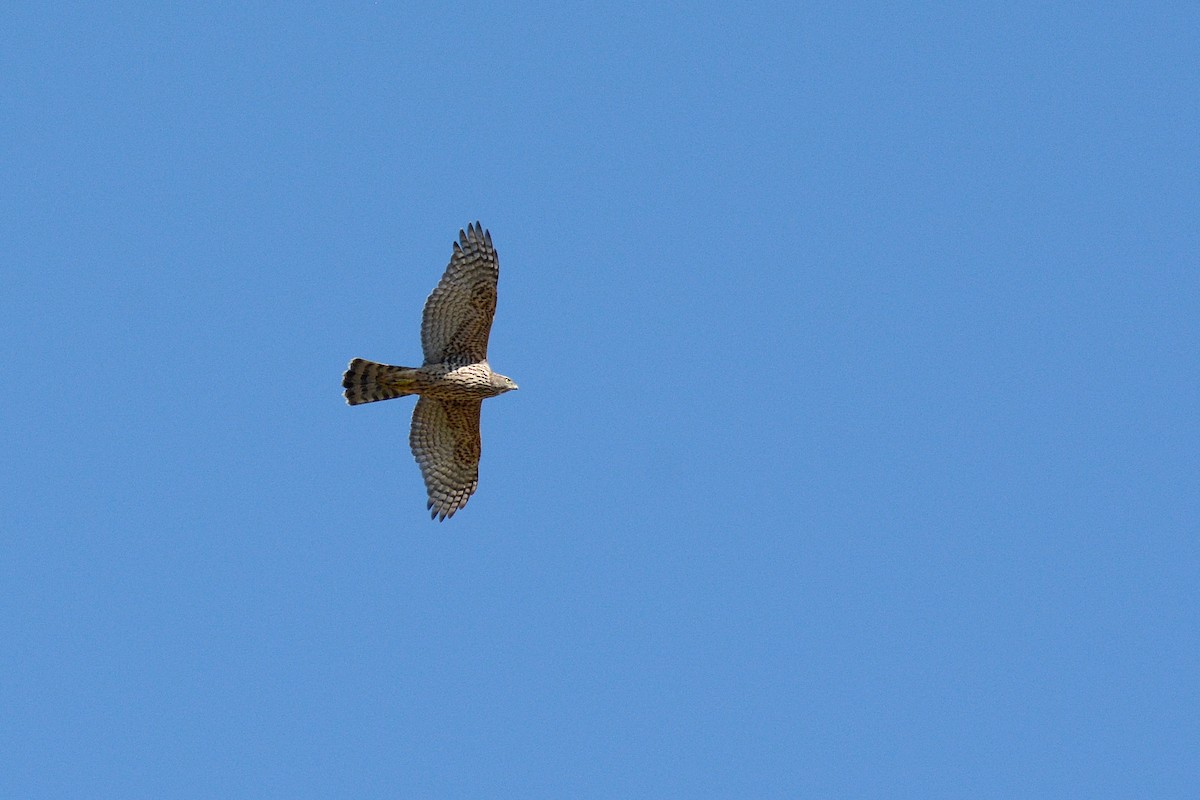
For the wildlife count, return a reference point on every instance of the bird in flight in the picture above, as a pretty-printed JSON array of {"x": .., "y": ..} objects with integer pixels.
[{"x": 453, "y": 381}]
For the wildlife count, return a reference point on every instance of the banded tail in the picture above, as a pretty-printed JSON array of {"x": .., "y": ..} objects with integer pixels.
[{"x": 365, "y": 382}]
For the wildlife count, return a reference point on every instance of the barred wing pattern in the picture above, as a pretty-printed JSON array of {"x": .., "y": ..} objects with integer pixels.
[
  {"x": 458, "y": 314},
  {"x": 445, "y": 441}
]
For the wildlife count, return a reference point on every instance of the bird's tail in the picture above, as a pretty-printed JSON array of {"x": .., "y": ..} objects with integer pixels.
[{"x": 365, "y": 382}]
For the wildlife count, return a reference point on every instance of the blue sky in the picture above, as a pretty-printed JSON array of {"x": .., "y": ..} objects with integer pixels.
[{"x": 856, "y": 451}]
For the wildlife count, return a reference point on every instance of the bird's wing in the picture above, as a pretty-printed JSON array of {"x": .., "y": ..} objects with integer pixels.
[
  {"x": 458, "y": 314},
  {"x": 445, "y": 441}
]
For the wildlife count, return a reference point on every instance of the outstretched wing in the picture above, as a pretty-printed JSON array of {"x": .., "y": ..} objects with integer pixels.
[
  {"x": 445, "y": 441},
  {"x": 458, "y": 314}
]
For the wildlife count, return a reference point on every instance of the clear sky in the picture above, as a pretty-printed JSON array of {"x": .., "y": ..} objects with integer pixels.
[{"x": 856, "y": 452}]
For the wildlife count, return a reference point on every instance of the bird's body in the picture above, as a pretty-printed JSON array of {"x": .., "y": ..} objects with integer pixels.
[
  {"x": 445, "y": 381},
  {"x": 455, "y": 378}
]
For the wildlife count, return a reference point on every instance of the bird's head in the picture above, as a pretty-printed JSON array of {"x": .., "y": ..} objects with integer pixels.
[{"x": 503, "y": 382}]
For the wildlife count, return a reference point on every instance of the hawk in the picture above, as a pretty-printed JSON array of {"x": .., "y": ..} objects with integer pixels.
[{"x": 453, "y": 381}]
